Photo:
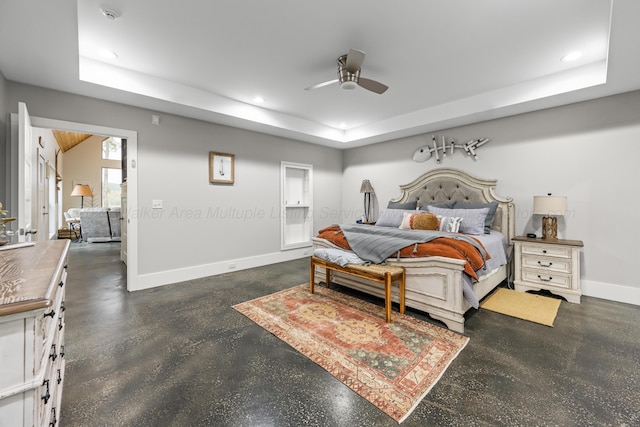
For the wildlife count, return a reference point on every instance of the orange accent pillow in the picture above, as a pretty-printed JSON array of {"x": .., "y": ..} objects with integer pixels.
[{"x": 420, "y": 221}]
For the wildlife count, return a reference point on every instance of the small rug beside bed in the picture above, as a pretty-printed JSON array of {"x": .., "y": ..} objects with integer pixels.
[
  {"x": 522, "y": 305},
  {"x": 392, "y": 365}
]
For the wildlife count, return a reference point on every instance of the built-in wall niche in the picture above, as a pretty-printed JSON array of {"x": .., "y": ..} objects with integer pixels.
[{"x": 297, "y": 205}]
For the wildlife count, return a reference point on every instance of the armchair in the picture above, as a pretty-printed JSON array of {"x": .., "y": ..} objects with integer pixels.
[{"x": 72, "y": 218}]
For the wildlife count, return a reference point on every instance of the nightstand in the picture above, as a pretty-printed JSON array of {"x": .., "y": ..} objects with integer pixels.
[{"x": 553, "y": 265}]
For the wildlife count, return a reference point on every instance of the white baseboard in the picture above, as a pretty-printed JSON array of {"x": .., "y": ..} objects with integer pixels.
[
  {"x": 152, "y": 280},
  {"x": 609, "y": 291}
]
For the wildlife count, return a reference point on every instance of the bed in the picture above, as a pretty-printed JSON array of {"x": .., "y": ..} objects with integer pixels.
[{"x": 438, "y": 285}]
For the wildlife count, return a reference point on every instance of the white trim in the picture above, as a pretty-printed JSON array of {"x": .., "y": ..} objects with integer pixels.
[
  {"x": 611, "y": 292},
  {"x": 132, "y": 181},
  {"x": 167, "y": 277}
]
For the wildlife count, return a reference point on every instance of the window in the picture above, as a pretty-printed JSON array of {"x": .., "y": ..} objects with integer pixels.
[
  {"x": 111, "y": 148},
  {"x": 111, "y": 180}
]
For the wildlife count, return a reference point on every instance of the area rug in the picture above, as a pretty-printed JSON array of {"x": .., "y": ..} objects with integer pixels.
[
  {"x": 531, "y": 307},
  {"x": 392, "y": 365}
]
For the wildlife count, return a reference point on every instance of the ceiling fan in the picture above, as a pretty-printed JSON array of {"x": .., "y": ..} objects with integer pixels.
[{"x": 349, "y": 74}]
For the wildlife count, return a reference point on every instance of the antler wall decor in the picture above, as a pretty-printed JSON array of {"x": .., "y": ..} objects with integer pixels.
[{"x": 425, "y": 152}]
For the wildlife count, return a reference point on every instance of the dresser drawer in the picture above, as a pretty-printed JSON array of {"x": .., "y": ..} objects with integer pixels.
[
  {"x": 547, "y": 250},
  {"x": 32, "y": 328},
  {"x": 548, "y": 279},
  {"x": 546, "y": 265}
]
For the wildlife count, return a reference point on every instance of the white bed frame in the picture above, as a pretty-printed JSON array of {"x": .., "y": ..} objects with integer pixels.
[{"x": 434, "y": 284}]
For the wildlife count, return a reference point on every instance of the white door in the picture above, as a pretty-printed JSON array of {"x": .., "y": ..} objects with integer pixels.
[
  {"x": 43, "y": 201},
  {"x": 53, "y": 207},
  {"x": 26, "y": 191}
]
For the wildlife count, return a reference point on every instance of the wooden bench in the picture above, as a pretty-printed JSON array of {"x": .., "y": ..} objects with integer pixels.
[{"x": 385, "y": 274}]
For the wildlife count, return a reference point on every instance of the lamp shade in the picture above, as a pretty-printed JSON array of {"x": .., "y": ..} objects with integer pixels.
[
  {"x": 549, "y": 205},
  {"x": 82, "y": 190},
  {"x": 366, "y": 187}
]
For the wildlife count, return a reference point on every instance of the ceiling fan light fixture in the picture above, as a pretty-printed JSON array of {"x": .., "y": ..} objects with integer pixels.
[
  {"x": 349, "y": 74},
  {"x": 348, "y": 85}
]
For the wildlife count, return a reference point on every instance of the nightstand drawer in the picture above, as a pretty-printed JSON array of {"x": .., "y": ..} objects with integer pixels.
[
  {"x": 547, "y": 250},
  {"x": 547, "y": 264},
  {"x": 551, "y": 279}
]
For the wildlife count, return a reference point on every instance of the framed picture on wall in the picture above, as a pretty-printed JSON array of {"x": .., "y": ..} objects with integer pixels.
[{"x": 221, "y": 168}]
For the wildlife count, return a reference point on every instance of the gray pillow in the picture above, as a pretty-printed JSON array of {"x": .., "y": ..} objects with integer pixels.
[
  {"x": 407, "y": 205},
  {"x": 449, "y": 204},
  {"x": 493, "y": 207},
  {"x": 391, "y": 217},
  {"x": 472, "y": 219}
]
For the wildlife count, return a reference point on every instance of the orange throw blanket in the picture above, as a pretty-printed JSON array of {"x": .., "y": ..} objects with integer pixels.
[{"x": 442, "y": 246}]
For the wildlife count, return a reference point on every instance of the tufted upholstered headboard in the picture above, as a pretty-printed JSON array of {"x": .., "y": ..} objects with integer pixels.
[{"x": 440, "y": 185}]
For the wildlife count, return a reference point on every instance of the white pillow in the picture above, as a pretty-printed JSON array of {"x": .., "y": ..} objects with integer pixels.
[
  {"x": 472, "y": 220},
  {"x": 449, "y": 223},
  {"x": 406, "y": 220}
]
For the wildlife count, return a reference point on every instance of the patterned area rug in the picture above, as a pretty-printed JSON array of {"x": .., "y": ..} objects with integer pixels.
[{"x": 392, "y": 365}]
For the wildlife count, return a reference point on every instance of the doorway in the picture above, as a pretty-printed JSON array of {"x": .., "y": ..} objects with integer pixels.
[{"x": 131, "y": 243}]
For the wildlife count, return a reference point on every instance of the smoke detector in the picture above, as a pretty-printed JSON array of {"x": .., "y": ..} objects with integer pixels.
[{"x": 110, "y": 14}]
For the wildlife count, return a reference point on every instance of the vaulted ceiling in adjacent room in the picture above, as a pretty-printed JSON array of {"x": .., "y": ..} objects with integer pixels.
[{"x": 68, "y": 140}]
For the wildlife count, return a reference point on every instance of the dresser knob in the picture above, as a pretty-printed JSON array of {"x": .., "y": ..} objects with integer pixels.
[
  {"x": 53, "y": 356},
  {"x": 545, "y": 280},
  {"x": 54, "y": 420},
  {"x": 46, "y": 396},
  {"x": 51, "y": 313},
  {"x": 545, "y": 265}
]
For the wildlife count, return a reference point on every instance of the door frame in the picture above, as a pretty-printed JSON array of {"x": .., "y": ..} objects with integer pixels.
[{"x": 132, "y": 181}]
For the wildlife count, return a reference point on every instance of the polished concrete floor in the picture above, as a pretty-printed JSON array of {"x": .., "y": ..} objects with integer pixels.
[{"x": 179, "y": 355}]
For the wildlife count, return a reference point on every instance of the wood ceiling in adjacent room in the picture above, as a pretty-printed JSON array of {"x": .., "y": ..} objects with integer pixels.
[{"x": 68, "y": 140}]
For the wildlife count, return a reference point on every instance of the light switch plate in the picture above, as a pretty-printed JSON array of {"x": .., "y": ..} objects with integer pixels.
[{"x": 156, "y": 204}]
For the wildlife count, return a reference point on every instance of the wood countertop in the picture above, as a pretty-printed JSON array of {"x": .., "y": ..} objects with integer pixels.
[{"x": 29, "y": 275}]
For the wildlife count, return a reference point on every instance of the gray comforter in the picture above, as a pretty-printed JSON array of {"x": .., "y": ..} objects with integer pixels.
[{"x": 375, "y": 244}]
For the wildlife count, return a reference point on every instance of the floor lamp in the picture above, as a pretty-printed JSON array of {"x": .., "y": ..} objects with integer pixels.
[
  {"x": 82, "y": 190},
  {"x": 367, "y": 189}
]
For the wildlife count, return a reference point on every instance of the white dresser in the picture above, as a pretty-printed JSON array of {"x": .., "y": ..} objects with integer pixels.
[
  {"x": 32, "y": 289},
  {"x": 553, "y": 265}
]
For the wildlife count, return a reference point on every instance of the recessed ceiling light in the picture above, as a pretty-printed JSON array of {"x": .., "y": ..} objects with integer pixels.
[
  {"x": 571, "y": 56},
  {"x": 109, "y": 54},
  {"x": 258, "y": 100},
  {"x": 342, "y": 125}
]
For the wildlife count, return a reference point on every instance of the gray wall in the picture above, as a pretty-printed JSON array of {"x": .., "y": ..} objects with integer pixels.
[
  {"x": 588, "y": 152},
  {"x": 201, "y": 223},
  {"x": 4, "y": 119}
]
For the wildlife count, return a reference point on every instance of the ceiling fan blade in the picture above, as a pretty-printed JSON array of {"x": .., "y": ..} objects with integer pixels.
[
  {"x": 372, "y": 85},
  {"x": 321, "y": 84},
  {"x": 354, "y": 60}
]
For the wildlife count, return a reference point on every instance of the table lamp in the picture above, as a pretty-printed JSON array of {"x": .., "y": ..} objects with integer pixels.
[
  {"x": 367, "y": 189},
  {"x": 549, "y": 205}
]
